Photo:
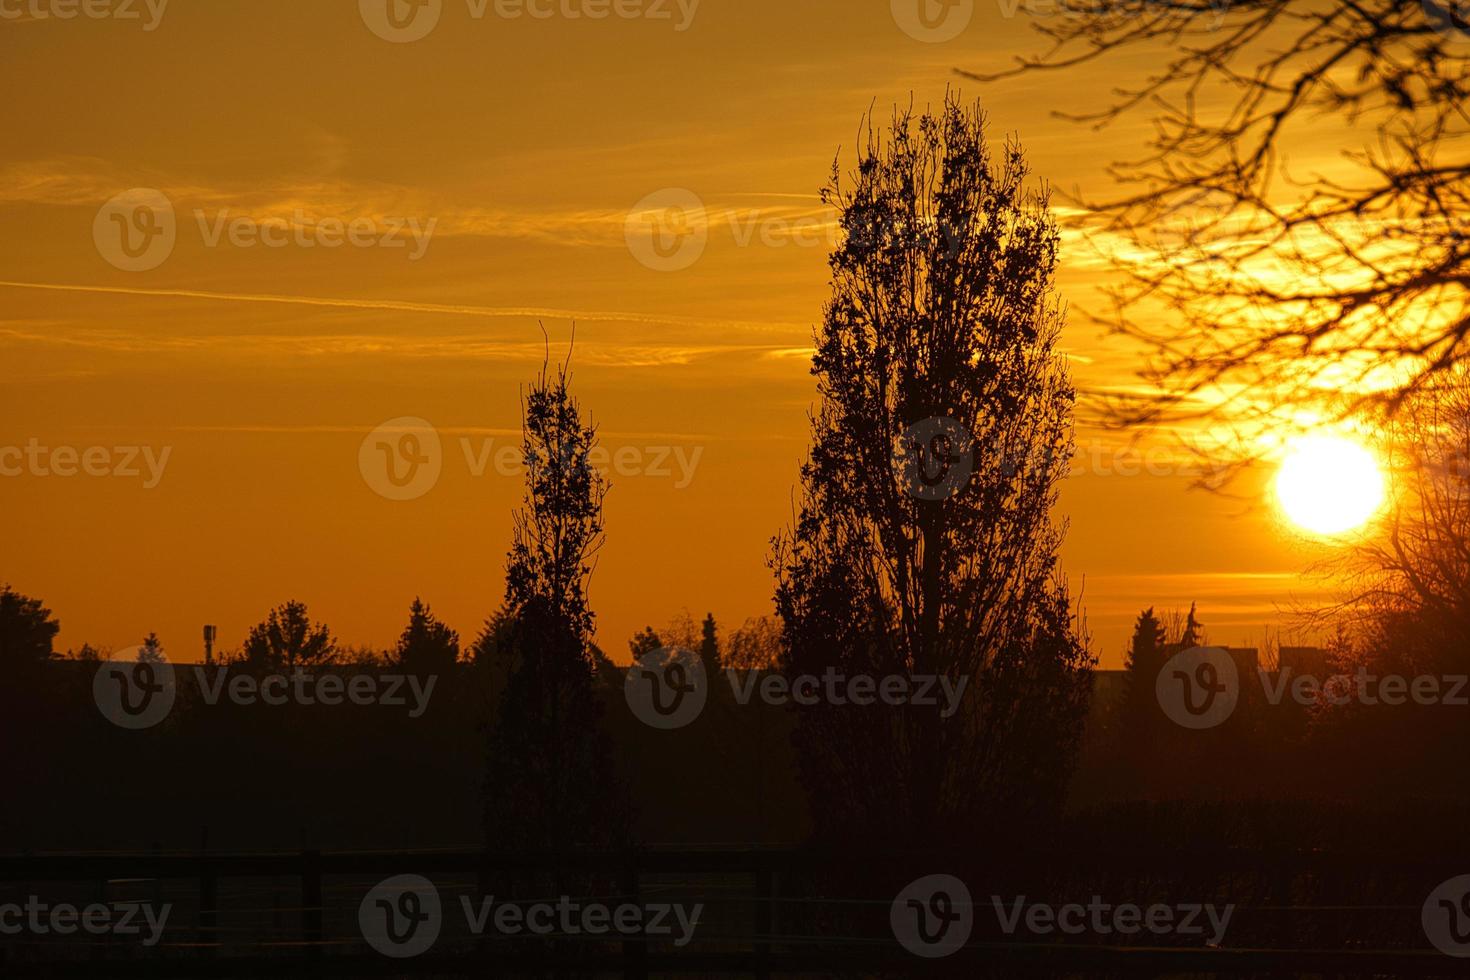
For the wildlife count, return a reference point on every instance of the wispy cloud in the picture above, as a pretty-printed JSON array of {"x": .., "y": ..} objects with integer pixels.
[{"x": 405, "y": 306}]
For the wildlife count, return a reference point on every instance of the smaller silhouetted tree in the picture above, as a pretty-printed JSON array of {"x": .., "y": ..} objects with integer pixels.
[
  {"x": 152, "y": 650},
  {"x": 288, "y": 639},
  {"x": 709, "y": 645},
  {"x": 644, "y": 641},
  {"x": 1193, "y": 634},
  {"x": 27, "y": 630},
  {"x": 427, "y": 645},
  {"x": 493, "y": 644},
  {"x": 756, "y": 645},
  {"x": 1141, "y": 717}
]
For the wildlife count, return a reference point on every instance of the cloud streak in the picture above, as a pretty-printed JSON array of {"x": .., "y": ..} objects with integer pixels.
[{"x": 405, "y": 306}]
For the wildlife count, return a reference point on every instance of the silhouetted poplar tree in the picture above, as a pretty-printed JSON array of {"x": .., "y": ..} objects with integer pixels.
[
  {"x": 551, "y": 781},
  {"x": 925, "y": 542}
]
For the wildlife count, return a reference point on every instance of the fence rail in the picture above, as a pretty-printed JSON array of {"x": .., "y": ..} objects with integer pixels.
[{"x": 759, "y": 948}]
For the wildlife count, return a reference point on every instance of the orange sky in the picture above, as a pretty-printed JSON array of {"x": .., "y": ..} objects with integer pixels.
[{"x": 525, "y": 141}]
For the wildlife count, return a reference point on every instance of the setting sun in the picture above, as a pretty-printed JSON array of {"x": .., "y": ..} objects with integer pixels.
[{"x": 1329, "y": 484}]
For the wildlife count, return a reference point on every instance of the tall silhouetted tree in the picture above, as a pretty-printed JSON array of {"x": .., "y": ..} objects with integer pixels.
[
  {"x": 288, "y": 639},
  {"x": 27, "y": 630},
  {"x": 426, "y": 645},
  {"x": 925, "y": 542},
  {"x": 551, "y": 782}
]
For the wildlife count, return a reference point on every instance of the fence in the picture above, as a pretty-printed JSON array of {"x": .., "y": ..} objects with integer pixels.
[{"x": 763, "y": 898}]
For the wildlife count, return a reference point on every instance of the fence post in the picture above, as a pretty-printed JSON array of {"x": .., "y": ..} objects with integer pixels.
[
  {"x": 311, "y": 902},
  {"x": 765, "y": 917},
  {"x": 635, "y": 948},
  {"x": 208, "y": 900}
]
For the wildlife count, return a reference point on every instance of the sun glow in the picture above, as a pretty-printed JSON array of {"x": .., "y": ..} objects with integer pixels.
[{"x": 1329, "y": 484}]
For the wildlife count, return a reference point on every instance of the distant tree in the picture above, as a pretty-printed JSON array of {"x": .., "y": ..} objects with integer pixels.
[
  {"x": 925, "y": 542},
  {"x": 493, "y": 643},
  {"x": 1403, "y": 604},
  {"x": 492, "y": 659},
  {"x": 551, "y": 782},
  {"x": 1141, "y": 719},
  {"x": 363, "y": 656},
  {"x": 709, "y": 645},
  {"x": 27, "y": 630},
  {"x": 151, "y": 650},
  {"x": 288, "y": 639},
  {"x": 1145, "y": 651},
  {"x": 1193, "y": 634},
  {"x": 644, "y": 641},
  {"x": 756, "y": 645},
  {"x": 427, "y": 645},
  {"x": 681, "y": 632},
  {"x": 87, "y": 653},
  {"x": 1414, "y": 566}
]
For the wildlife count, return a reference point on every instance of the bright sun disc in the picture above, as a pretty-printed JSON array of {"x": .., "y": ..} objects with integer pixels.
[{"x": 1328, "y": 484}]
